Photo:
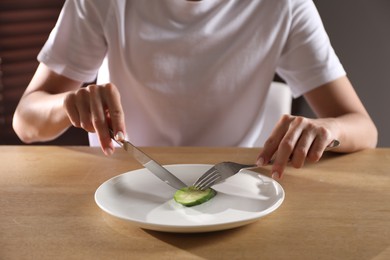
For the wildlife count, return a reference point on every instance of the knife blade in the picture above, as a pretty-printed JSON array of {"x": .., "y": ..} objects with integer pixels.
[{"x": 150, "y": 164}]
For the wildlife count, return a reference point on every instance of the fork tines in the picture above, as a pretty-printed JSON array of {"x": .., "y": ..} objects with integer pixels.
[{"x": 207, "y": 180}]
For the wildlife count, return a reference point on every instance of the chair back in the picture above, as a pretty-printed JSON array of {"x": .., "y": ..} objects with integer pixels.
[{"x": 278, "y": 103}]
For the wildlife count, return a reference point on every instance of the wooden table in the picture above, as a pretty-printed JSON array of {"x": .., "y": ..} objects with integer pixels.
[{"x": 338, "y": 208}]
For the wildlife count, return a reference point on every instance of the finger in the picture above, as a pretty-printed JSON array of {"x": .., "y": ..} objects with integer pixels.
[
  {"x": 287, "y": 146},
  {"x": 323, "y": 138},
  {"x": 83, "y": 106},
  {"x": 301, "y": 149},
  {"x": 99, "y": 120},
  {"x": 272, "y": 143},
  {"x": 71, "y": 110},
  {"x": 111, "y": 97}
]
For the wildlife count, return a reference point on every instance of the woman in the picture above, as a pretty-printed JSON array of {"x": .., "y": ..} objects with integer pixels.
[{"x": 193, "y": 73}]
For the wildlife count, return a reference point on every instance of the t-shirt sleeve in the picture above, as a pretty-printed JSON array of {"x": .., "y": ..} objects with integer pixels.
[
  {"x": 308, "y": 59},
  {"x": 76, "y": 46}
]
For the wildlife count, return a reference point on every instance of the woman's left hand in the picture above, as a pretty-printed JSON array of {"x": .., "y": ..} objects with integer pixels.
[{"x": 294, "y": 140}]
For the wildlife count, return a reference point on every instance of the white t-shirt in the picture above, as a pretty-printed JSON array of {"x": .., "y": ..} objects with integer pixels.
[{"x": 193, "y": 73}]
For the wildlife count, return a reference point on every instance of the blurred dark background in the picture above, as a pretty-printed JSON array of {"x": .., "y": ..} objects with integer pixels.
[
  {"x": 359, "y": 32},
  {"x": 24, "y": 28}
]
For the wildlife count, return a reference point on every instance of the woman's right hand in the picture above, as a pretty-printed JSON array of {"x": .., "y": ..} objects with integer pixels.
[{"x": 95, "y": 108}]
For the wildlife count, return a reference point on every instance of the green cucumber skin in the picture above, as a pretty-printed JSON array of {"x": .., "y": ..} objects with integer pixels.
[{"x": 189, "y": 196}]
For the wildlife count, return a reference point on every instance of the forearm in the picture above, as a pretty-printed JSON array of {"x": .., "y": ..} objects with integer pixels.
[
  {"x": 355, "y": 131},
  {"x": 40, "y": 116},
  {"x": 337, "y": 103}
]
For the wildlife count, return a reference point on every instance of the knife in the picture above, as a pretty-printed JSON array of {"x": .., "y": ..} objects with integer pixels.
[{"x": 150, "y": 164}]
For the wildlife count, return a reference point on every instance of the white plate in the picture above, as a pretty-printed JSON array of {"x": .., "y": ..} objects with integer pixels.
[{"x": 140, "y": 197}]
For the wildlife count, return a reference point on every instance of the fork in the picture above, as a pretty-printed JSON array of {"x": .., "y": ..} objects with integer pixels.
[
  {"x": 219, "y": 173},
  {"x": 222, "y": 171}
]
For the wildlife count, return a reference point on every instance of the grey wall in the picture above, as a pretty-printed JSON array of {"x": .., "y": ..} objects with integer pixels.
[{"x": 360, "y": 34}]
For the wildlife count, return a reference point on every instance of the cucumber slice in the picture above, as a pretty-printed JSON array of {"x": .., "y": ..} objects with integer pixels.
[{"x": 189, "y": 196}]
